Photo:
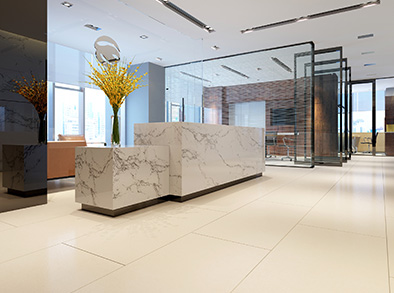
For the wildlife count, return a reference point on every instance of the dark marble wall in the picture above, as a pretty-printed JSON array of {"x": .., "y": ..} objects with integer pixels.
[{"x": 23, "y": 52}]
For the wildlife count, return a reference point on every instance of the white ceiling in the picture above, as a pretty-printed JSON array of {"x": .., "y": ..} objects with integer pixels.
[{"x": 176, "y": 40}]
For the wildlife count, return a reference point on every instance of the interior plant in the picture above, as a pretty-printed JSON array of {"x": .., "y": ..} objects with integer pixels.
[
  {"x": 35, "y": 91},
  {"x": 117, "y": 82}
]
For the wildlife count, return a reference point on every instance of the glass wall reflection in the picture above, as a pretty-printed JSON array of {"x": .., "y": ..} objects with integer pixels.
[{"x": 271, "y": 89}]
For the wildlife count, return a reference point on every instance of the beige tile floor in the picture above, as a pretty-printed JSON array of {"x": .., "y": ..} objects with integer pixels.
[{"x": 326, "y": 229}]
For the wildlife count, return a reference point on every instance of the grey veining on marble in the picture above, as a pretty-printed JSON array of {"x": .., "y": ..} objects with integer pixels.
[
  {"x": 24, "y": 167},
  {"x": 113, "y": 178},
  {"x": 205, "y": 155}
]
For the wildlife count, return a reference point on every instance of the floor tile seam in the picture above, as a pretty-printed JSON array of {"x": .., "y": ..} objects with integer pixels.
[
  {"x": 231, "y": 241},
  {"x": 91, "y": 282},
  {"x": 29, "y": 253},
  {"x": 386, "y": 226},
  {"x": 9, "y": 224},
  {"x": 37, "y": 222},
  {"x": 296, "y": 224},
  {"x": 93, "y": 254},
  {"x": 204, "y": 208},
  {"x": 342, "y": 231}
]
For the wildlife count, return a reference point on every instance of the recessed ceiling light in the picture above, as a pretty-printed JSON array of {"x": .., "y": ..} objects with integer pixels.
[
  {"x": 369, "y": 64},
  {"x": 67, "y": 4},
  {"x": 368, "y": 52},
  {"x": 159, "y": 59},
  {"x": 215, "y": 48},
  {"x": 312, "y": 16},
  {"x": 144, "y": 37},
  {"x": 365, "y": 36},
  {"x": 93, "y": 27},
  {"x": 258, "y": 68}
]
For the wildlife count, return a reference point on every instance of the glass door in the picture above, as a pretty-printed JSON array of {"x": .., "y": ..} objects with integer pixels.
[{"x": 364, "y": 117}]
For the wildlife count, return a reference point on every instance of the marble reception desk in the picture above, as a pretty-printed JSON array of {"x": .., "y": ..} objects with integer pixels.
[
  {"x": 114, "y": 181},
  {"x": 205, "y": 156},
  {"x": 169, "y": 161}
]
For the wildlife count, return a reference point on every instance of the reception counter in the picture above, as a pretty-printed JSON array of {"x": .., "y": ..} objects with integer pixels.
[
  {"x": 170, "y": 161},
  {"x": 205, "y": 156}
]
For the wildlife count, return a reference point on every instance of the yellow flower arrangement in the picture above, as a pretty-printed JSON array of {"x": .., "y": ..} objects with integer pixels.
[
  {"x": 35, "y": 92},
  {"x": 117, "y": 83}
]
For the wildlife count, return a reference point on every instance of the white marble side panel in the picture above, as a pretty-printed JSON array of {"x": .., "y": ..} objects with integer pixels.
[
  {"x": 94, "y": 176},
  {"x": 168, "y": 134},
  {"x": 140, "y": 174},
  {"x": 217, "y": 154}
]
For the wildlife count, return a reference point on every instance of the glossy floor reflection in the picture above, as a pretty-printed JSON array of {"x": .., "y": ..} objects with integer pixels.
[{"x": 327, "y": 229}]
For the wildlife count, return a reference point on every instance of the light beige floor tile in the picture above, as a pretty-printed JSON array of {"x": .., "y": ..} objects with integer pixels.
[
  {"x": 259, "y": 224},
  {"x": 191, "y": 264},
  {"x": 391, "y": 285},
  {"x": 313, "y": 260},
  {"x": 56, "y": 269},
  {"x": 4, "y": 226},
  {"x": 29, "y": 238},
  {"x": 42, "y": 212},
  {"x": 353, "y": 205},
  {"x": 390, "y": 238},
  {"x": 145, "y": 232},
  {"x": 229, "y": 199}
]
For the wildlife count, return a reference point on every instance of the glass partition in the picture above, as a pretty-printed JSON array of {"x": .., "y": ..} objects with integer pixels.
[
  {"x": 329, "y": 107},
  {"x": 270, "y": 88}
]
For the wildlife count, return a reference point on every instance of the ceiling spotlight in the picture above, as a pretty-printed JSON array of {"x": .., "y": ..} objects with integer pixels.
[
  {"x": 143, "y": 37},
  {"x": 371, "y": 3},
  {"x": 93, "y": 27},
  {"x": 258, "y": 68},
  {"x": 303, "y": 18},
  {"x": 67, "y": 4},
  {"x": 215, "y": 48},
  {"x": 159, "y": 59}
]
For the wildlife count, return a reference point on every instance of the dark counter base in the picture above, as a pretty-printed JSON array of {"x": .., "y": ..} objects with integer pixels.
[
  {"x": 124, "y": 210},
  {"x": 138, "y": 206},
  {"x": 27, "y": 193},
  {"x": 190, "y": 196}
]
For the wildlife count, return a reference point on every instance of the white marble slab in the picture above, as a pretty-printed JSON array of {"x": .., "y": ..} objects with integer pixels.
[
  {"x": 114, "y": 178},
  {"x": 203, "y": 156}
]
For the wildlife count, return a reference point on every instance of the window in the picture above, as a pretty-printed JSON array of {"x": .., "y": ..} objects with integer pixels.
[
  {"x": 68, "y": 110},
  {"x": 94, "y": 115},
  {"x": 79, "y": 111}
]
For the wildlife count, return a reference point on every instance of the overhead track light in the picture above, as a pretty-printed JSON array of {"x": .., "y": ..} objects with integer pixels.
[
  {"x": 234, "y": 71},
  {"x": 311, "y": 16},
  {"x": 186, "y": 15}
]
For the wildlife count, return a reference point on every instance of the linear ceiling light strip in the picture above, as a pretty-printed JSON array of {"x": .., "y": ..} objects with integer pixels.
[
  {"x": 186, "y": 15},
  {"x": 312, "y": 16},
  {"x": 234, "y": 71},
  {"x": 281, "y": 64},
  {"x": 193, "y": 76}
]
